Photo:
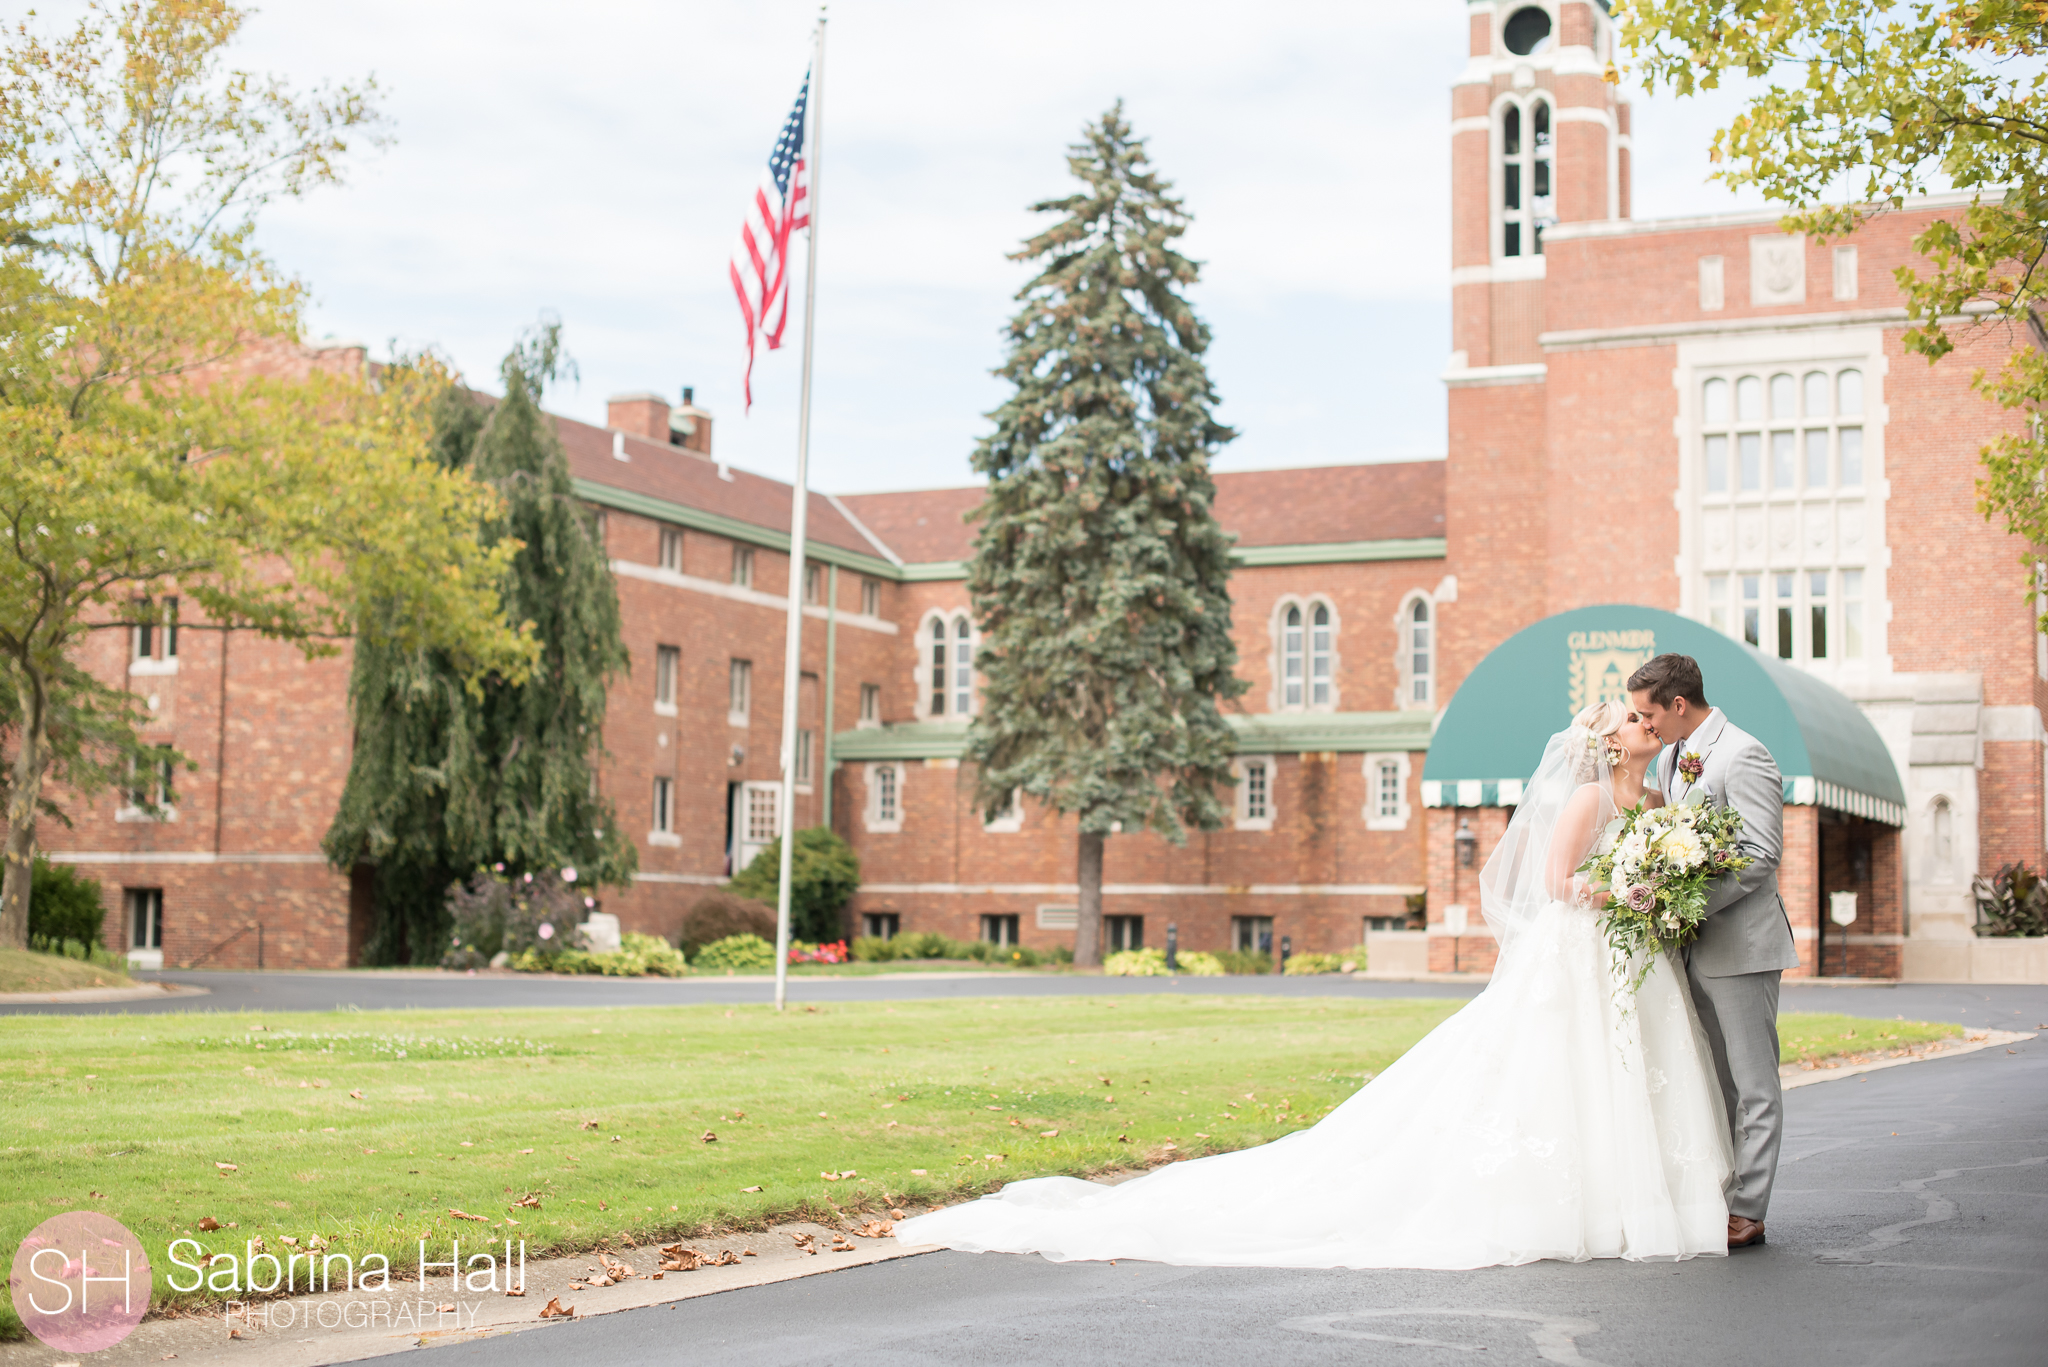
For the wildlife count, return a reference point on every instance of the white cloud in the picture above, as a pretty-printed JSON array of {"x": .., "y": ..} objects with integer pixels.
[{"x": 594, "y": 160}]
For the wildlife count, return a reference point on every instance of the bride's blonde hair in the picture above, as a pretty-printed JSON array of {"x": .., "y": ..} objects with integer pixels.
[{"x": 1598, "y": 721}]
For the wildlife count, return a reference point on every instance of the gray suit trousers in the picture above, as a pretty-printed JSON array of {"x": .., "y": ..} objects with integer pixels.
[{"x": 1740, "y": 1013}]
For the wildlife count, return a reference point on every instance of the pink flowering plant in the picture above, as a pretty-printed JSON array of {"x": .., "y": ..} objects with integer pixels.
[{"x": 1656, "y": 870}]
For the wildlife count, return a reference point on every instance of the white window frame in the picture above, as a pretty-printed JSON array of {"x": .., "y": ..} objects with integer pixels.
[
  {"x": 1240, "y": 769},
  {"x": 661, "y": 830},
  {"x": 1376, "y": 819},
  {"x": 873, "y": 817},
  {"x": 1527, "y": 260},
  {"x": 668, "y": 670},
  {"x": 1308, "y": 605},
  {"x": 743, "y": 565},
  {"x": 1404, "y": 651},
  {"x": 936, "y": 677},
  {"x": 165, "y": 808},
  {"x": 669, "y": 552},
  {"x": 149, "y": 902},
  {"x": 870, "y": 707},
  {"x": 739, "y": 689},
  {"x": 153, "y": 643},
  {"x": 1011, "y": 819},
  {"x": 871, "y": 597},
  {"x": 1772, "y": 531}
]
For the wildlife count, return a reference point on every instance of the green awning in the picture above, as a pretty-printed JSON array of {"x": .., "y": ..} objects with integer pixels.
[{"x": 1492, "y": 735}]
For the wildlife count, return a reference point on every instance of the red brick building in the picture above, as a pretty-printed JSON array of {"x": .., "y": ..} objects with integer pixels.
[{"x": 1705, "y": 416}]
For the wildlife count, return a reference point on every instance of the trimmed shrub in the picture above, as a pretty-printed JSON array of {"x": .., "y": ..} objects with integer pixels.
[
  {"x": 1243, "y": 961},
  {"x": 1200, "y": 964},
  {"x": 63, "y": 906},
  {"x": 737, "y": 953},
  {"x": 1312, "y": 963},
  {"x": 637, "y": 956},
  {"x": 873, "y": 949},
  {"x": 824, "y": 873},
  {"x": 721, "y": 914},
  {"x": 923, "y": 944}
]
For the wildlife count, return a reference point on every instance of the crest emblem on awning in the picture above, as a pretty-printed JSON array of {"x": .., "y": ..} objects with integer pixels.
[{"x": 1601, "y": 662}]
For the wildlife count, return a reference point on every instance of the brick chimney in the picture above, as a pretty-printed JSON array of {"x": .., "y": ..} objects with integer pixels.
[
  {"x": 642, "y": 414},
  {"x": 690, "y": 426}
]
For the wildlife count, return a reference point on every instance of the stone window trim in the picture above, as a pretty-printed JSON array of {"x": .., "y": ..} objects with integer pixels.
[
  {"x": 1377, "y": 817},
  {"x": 1248, "y": 770},
  {"x": 1762, "y": 523},
  {"x": 1011, "y": 820},
  {"x": 929, "y": 677},
  {"x": 1406, "y": 650},
  {"x": 1330, "y": 657},
  {"x": 883, "y": 812}
]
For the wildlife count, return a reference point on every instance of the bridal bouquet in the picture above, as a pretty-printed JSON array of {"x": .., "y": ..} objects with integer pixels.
[{"x": 1656, "y": 871}]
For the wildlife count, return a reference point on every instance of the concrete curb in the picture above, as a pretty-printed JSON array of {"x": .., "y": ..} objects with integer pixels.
[
  {"x": 153, "y": 991},
  {"x": 1796, "y": 1076}
]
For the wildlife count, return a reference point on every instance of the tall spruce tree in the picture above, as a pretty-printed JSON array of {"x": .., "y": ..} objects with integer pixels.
[
  {"x": 1100, "y": 576},
  {"x": 447, "y": 777}
]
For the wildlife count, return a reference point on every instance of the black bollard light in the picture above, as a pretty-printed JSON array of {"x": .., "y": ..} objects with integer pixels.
[
  {"x": 1172, "y": 946},
  {"x": 1286, "y": 948}
]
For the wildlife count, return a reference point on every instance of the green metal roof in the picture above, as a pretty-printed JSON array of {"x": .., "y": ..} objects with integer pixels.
[
  {"x": 1258, "y": 733},
  {"x": 1492, "y": 735}
]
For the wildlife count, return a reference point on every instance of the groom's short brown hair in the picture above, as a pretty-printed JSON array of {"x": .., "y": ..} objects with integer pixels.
[{"x": 1669, "y": 677}]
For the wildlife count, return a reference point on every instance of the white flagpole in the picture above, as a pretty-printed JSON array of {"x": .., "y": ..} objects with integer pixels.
[{"x": 800, "y": 507}]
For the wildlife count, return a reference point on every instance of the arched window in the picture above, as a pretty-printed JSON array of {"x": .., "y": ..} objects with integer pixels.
[
  {"x": 963, "y": 668},
  {"x": 1527, "y": 205},
  {"x": 1291, "y": 661},
  {"x": 1420, "y": 647},
  {"x": 1319, "y": 657},
  {"x": 939, "y": 667}
]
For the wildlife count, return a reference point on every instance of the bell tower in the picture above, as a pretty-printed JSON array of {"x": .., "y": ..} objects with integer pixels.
[{"x": 1537, "y": 139}]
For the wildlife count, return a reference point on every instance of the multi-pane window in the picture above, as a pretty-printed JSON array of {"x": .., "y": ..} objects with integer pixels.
[
  {"x": 664, "y": 805},
  {"x": 871, "y": 597},
  {"x": 888, "y": 806},
  {"x": 762, "y": 799},
  {"x": 154, "y": 636},
  {"x": 1319, "y": 656},
  {"x": 1258, "y": 790},
  {"x": 668, "y": 663},
  {"x": 1784, "y": 527},
  {"x": 1421, "y": 653},
  {"x": 149, "y": 779},
  {"x": 952, "y": 668},
  {"x": 672, "y": 549},
  {"x": 1123, "y": 932},
  {"x": 803, "y": 756},
  {"x": 814, "y": 584},
  {"x": 1292, "y": 662},
  {"x": 740, "y": 690},
  {"x": 882, "y": 925},
  {"x": 871, "y": 704},
  {"x": 1386, "y": 798},
  {"x": 145, "y": 918},
  {"x": 743, "y": 566},
  {"x": 1527, "y": 205},
  {"x": 1251, "y": 934},
  {"x": 1000, "y": 930}
]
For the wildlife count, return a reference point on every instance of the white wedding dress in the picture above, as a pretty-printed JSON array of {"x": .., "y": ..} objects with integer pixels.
[{"x": 1551, "y": 1117}]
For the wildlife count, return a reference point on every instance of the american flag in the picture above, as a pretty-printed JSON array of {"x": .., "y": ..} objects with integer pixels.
[{"x": 760, "y": 261}]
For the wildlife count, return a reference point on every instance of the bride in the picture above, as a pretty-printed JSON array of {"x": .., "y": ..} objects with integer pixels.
[{"x": 1554, "y": 1116}]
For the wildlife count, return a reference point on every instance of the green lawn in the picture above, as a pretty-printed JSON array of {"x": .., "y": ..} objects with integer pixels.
[
  {"x": 24, "y": 971},
  {"x": 474, "y": 1110},
  {"x": 1816, "y": 1035}
]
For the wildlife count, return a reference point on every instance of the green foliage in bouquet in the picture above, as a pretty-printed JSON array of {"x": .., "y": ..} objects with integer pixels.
[
  {"x": 2011, "y": 902},
  {"x": 1656, "y": 873}
]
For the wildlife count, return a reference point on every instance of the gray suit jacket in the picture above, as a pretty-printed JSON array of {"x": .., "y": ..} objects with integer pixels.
[{"x": 1746, "y": 930}]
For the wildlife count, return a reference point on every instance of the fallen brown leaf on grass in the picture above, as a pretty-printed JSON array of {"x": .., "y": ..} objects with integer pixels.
[
  {"x": 530, "y": 1201},
  {"x": 1048, "y": 1134},
  {"x": 355, "y": 1096},
  {"x": 748, "y": 1189},
  {"x": 465, "y": 1215},
  {"x": 991, "y": 1108},
  {"x": 708, "y": 1138},
  {"x": 554, "y": 1310},
  {"x": 588, "y": 1125},
  {"x": 209, "y": 1223},
  {"x": 227, "y": 1167},
  {"x": 526, "y": 1151}
]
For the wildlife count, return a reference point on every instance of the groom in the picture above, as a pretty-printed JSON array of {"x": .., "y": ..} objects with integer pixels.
[{"x": 1746, "y": 941}]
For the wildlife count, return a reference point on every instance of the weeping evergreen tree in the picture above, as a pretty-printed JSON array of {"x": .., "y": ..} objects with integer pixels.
[
  {"x": 1100, "y": 576},
  {"x": 445, "y": 777}
]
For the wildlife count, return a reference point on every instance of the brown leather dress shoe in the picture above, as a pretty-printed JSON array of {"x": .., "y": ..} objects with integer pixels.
[{"x": 1744, "y": 1232}]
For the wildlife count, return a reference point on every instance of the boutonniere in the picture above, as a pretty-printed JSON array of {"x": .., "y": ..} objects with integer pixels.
[{"x": 1691, "y": 766}]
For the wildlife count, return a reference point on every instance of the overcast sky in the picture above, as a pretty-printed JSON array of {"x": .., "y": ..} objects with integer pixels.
[{"x": 594, "y": 160}]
